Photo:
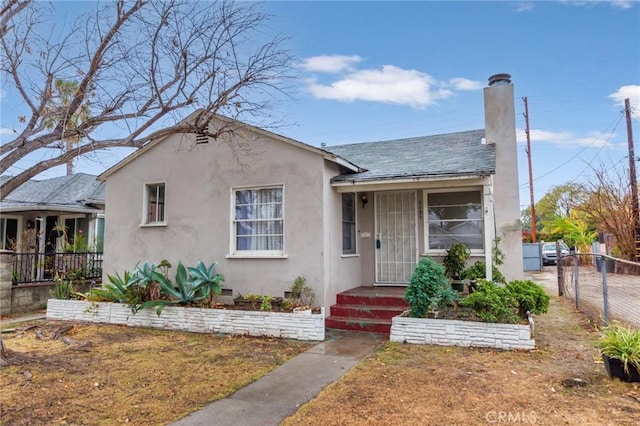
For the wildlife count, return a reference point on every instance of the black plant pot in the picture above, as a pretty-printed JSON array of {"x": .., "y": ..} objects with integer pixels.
[
  {"x": 615, "y": 369},
  {"x": 458, "y": 285}
]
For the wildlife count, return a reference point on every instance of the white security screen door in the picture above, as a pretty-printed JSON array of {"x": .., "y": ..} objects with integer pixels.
[{"x": 396, "y": 236}]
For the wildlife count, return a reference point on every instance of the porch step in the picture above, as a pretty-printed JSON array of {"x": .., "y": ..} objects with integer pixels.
[
  {"x": 368, "y": 309},
  {"x": 379, "y": 299},
  {"x": 369, "y": 325}
]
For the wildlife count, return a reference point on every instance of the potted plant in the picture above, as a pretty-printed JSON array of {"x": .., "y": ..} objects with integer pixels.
[
  {"x": 454, "y": 263},
  {"x": 620, "y": 348}
]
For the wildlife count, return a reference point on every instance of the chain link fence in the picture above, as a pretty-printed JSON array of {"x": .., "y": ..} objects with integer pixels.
[{"x": 603, "y": 287}]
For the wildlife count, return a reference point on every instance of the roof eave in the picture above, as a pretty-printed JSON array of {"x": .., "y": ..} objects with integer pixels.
[
  {"x": 410, "y": 179},
  {"x": 49, "y": 207}
]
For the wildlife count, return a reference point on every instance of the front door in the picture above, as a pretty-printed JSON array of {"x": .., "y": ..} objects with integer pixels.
[{"x": 396, "y": 236}]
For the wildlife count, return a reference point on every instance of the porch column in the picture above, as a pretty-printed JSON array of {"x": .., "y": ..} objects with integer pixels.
[{"x": 6, "y": 269}]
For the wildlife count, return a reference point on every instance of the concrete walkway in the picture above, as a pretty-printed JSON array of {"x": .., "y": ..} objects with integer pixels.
[{"x": 278, "y": 394}]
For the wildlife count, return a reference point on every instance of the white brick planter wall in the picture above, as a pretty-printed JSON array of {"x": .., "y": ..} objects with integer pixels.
[
  {"x": 198, "y": 320},
  {"x": 427, "y": 331}
]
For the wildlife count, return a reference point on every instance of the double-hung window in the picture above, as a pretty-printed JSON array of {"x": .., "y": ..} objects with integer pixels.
[
  {"x": 258, "y": 221},
  {"x": 348, "y": 223},
  {"x": 154, "y": 204},
  {"x": 454, "y": 217}
]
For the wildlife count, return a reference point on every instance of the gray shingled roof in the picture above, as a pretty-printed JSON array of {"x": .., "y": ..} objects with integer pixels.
[
  {"x": 78, "y": 192},
  {"x": 452, "y": 154}
]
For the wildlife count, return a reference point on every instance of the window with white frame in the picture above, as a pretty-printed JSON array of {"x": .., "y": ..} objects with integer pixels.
[
  {"x": 154, "y": 204},
  {"x": 76, "y": 228},
  {"x": 348, "y": 223},
  {"x": 454, "y": 217},
  {"x": 258, "y": 221},
  {"x": 99, "y": 233},
  {"x": 8, "y": 233}
]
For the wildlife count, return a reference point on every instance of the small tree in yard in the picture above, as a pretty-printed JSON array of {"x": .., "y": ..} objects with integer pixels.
[{"x": 132, "y": 72}]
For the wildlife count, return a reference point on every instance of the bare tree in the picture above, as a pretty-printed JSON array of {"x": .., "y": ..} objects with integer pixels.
[
  {"x": 138, "y": 70},
  {"x": 608, "y": 205}
]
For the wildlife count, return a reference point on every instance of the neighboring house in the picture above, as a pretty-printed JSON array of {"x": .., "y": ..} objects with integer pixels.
[
  {"x": 44, "y": 216},
  {"x": 345, "y": 216}
]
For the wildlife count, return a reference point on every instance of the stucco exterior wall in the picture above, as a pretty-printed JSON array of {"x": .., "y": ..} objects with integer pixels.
[
  {"x": 199, "y": 180},
  {"x": 343, "y": 271},
  {"x": 500, "y": 129}
]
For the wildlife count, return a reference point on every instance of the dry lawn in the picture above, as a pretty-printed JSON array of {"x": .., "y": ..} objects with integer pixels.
[
  {"x": 431, "y": 385},
  {"x": 111, "y": 375}
]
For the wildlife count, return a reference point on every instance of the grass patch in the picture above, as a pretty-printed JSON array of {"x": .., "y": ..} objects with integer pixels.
[
  {"x": 411, "y": 384},
  {"x": 115, "y": 375}
]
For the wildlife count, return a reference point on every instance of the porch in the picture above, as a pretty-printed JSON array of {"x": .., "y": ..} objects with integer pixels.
[
  {"x": 26, "y": 279},
  {"x": 30, "y": 268}
]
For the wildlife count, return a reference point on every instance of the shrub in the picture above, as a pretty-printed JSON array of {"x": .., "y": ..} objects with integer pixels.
[
  {"x": 62, "y": 289},
  {"x": 477, "y": 271},
  {"x": 530, "y": 297},
  {"x": 492, "y": 303},
  {"x": 301, "y": 294},
  {"x": 454, "y": 261},
  {"x": 428, "y": 289},
  {"x": 265, "y": 304}
]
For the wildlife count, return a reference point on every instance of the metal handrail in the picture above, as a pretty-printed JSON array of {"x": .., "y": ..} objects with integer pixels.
[{"x": 42, "y": 267}]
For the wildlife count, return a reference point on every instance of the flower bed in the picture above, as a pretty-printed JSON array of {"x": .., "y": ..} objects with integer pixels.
[
  {"x": 198, "y": 320},
  {"x": 427, "y": 331}
]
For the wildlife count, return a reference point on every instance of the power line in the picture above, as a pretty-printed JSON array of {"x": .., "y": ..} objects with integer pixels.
[{"x": 610, "y": 135}]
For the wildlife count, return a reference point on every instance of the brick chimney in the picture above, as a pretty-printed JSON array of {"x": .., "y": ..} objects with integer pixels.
[{"x": 500, "y": 129}]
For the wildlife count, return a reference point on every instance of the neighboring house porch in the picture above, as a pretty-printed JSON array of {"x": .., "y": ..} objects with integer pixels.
[{"x": 54, "y": 227}]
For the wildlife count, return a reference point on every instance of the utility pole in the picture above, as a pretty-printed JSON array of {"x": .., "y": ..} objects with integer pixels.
[
  {"x": 632, "y": 179},
  {"x": 528, "y": 150}
]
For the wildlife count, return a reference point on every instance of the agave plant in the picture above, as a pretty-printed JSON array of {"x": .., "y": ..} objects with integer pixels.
[
  {"x": 147, "y": 282},
  {"x": 184, "y": 291},
  {"x": 205, "y": 280},
  {"x": 120, "y": 289}
]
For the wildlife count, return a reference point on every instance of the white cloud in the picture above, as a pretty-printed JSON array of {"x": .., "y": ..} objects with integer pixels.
[
  {"x": 461, "y": 83},
  {"x": 390, "y": 84},
  {"x": 565, "y": 139},
  {"x": 620, "y": 4},
  {"x": 330, "y": 63},
  {"x": 524, "y": 6},
  {"x": 633, "y": 93},
  {"x": 6, "y": 131}
]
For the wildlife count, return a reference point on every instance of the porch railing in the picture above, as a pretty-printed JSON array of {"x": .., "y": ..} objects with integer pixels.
[{"x": 40, "y": 267}]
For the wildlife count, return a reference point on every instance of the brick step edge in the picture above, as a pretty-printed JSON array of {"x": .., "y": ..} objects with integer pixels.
[
  {"x": 366, "y": 311},
  {"x": 350, "y": 299},
  {"x": 359, "y": 324}
]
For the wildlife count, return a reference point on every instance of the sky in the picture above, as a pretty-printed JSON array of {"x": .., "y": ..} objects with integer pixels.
[{"x": 371, "y": 71}]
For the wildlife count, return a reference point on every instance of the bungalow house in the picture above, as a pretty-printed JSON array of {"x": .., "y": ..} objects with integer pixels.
[
  {"x": 273, "y": 208},
  {"x": 43, "y": 216}
]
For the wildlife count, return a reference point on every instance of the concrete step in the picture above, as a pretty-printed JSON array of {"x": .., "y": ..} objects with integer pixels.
[
  {"x": 370, "y": 300},
  {"x": 366, "y": 311},
  {"x": 370, "y": 325}
]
